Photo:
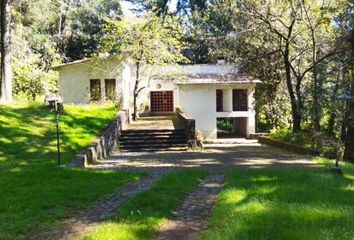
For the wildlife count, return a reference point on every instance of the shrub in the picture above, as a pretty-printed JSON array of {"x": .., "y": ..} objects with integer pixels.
[
  {"x": 225, "y": 124},
  {"x": 178, "y": 108},
  {"x": 289, "y": 136}
]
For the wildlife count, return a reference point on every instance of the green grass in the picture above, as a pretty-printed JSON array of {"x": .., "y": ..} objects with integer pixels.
[
  {"x": 348, "y": 168},
  {"x": 34, "y": 194},
  {"x": 284, "y": 204},
  {"x": 139, "y": 217}
]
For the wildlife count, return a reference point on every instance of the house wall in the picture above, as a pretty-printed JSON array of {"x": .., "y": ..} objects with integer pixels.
[
  {"x": 199, "y": 102},
  {"x": 74, "y": 80}
]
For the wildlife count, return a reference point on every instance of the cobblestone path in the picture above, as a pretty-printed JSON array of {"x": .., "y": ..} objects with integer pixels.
[
  {"x": 91, "y": 217},
  {"x": 191, "y": 216}
]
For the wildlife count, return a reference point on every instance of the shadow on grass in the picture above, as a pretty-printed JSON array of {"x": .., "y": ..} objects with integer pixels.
[
  {"x": 38, "y": 195},
  {"x": 139, "y": 217},
  {"x": 33, "y": 191},
  {"x": 283, "y": 204}
]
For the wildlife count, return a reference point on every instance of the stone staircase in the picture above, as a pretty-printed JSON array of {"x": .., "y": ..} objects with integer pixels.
[{"x": 152, "y": 140}]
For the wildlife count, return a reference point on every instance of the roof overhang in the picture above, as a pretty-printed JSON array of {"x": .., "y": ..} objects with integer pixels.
[
  {"x": 58, "y": 67},
  {"x": 216, "y": 82},
  {"x": 211, "y": 79}
]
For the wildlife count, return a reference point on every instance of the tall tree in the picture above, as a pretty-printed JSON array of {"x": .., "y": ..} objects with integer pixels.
[
  {"x": 147, "y": 41},
  {"x": 349, "y": 141},
  {"x": 6, "y": 72}
]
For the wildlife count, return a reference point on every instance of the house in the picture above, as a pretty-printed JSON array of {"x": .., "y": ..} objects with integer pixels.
[{"x": 215, "y": 95}]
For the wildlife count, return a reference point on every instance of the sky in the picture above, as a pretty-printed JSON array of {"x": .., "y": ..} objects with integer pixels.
[{"x": 126, "y": 6}]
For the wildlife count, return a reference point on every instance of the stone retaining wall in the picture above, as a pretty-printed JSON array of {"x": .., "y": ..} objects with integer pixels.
[
  {"x": 287, "y": 146},
  {"x": 189, "y": 126},
  {"x": 103, "y": 145}
]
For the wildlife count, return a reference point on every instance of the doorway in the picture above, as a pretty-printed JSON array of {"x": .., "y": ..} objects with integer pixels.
[
  {"x": 161, "y": 101},
  {"x": 232, "y": 127}
]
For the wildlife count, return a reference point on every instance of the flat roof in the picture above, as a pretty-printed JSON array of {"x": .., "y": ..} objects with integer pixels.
[
  {"x": 230, "y": 78},
  {"x": 55, "y": 68}
]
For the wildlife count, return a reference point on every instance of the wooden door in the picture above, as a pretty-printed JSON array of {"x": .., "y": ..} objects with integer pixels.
[{"x": 161, "y": 101}]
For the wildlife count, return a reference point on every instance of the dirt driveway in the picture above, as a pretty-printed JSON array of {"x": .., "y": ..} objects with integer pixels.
[{"x": 213, "y": 157}]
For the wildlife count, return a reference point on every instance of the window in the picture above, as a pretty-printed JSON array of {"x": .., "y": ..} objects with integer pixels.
[
  {"x": 219, "y": 100},
  {"x": 110, "y": 89},
  {"x": 95, "y": 89},
  {"x": 239, "y": 100}
]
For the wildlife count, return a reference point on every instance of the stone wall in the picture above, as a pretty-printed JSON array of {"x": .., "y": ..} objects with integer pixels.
[
  {"x": 194, "y": 139},
  {"x": 103, "y": 145},
  {"x": 287, "y": 146}
]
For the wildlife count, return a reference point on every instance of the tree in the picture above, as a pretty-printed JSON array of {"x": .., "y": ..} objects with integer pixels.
[
  {"x": 6, "y": 72},
  {"x": 283, "y": 27},
  {"x": 349, "y": 141},
  {"x": 83, "y": 23},
  {"x": 146, "y": 41}
]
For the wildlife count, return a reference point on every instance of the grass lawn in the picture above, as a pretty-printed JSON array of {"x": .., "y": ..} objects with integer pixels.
[
  {"x": 139, "y": 217},
  {"x": 284, "y": 204},
  {"x": 33, "y": 192}
]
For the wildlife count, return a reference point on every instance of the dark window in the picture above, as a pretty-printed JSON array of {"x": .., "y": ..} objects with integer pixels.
[
  {"x": 110, "y": 88},
  {"x": 219, "y": 102},
  {"x": 95, "y": 89},
  {"x": 239, "y": 100}
]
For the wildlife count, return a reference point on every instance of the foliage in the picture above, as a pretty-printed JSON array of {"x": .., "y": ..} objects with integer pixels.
[
  {"x": 83, "y": 24},
  {"x": 147, "y": 41},
  {"x": 178, "y": 108},
  {"x": 284, "y": 203},
  {"x": 298, "y": 138},
  {"x": 140, "y": 216},
  {"x": 32, "y": 82},
  {"x": 46, "y": 32},
  {"x": 35, "y": 194},
  {"x": 225, "y": 124},
  {"x": 322, "y": 142}
]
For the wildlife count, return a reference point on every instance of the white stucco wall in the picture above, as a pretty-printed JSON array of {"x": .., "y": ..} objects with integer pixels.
[
  {"x": 199, "y": 102},
  {"x": 74, "y": 80}
]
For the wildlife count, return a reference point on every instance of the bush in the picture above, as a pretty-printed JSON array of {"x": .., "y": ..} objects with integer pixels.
[
  {"x": 327, "y": 145},
  {"x": 225, "y": 124},
  {"x": 178, "y": 108},
  {"x": 289, "y": 136}
]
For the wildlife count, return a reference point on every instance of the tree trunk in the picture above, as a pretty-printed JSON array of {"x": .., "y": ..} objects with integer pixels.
[
  {"x": 136, "y": 91},
  {"x": 294, "y": 105},
  {"x": 332, "y": 118},
  {"x": 6, "y": 72},
  {"x": 349, "y": 141},
  {"x": 316, "y": 107}
]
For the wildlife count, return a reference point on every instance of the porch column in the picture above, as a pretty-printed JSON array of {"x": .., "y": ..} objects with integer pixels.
[{"x": 227, "y": 100}]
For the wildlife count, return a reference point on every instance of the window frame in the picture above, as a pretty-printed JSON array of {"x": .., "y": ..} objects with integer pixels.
[
  {"x": 105, "y": 88},
  {"x": 92, "y": 87},
  {"x": 240, "y": 106}
]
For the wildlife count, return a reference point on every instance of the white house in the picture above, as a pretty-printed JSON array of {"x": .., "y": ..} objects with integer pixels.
[{"x": 207, "y": 92}]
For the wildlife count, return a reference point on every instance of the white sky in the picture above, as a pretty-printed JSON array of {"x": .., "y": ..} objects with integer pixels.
[{"x": 126, "y": 6}]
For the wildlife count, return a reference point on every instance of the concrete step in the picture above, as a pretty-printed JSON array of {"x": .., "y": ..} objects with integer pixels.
[
  {"x": 152, "y": 133},
  {"x": 147, "y": 145},
  {"x": 172, "y": 149},
  {"x": 152, "y": 138},
  {"x": 152, "y": 142}
]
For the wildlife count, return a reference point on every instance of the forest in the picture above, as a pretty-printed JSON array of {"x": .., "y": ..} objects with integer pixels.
[{"x": 301, "y": 50}]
